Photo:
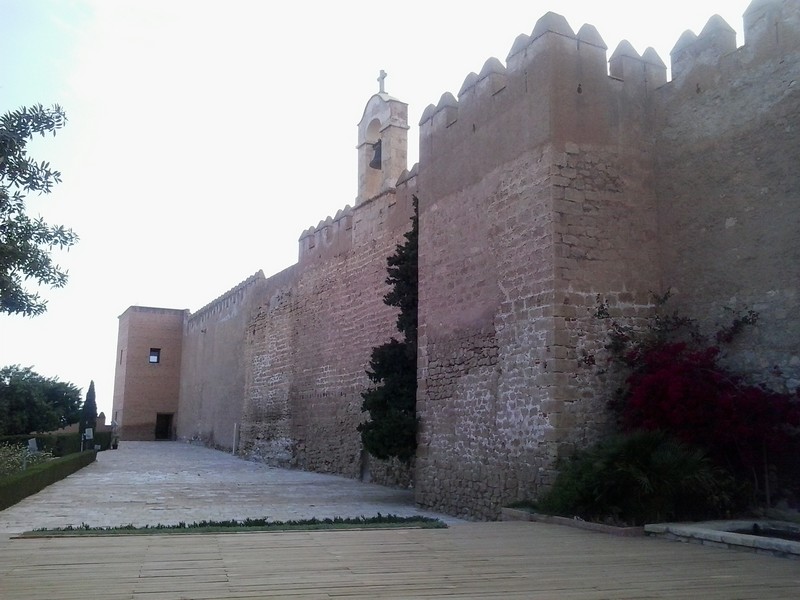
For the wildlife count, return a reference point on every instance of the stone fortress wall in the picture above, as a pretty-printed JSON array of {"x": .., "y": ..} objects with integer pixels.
[
  {"x": 731, "y": 222},
  {"x": 577, "y": 186},
  {"x": 555, "y": 181},
  {"x": 309, "y": 345},
  {"x": 213, "y": 366}
]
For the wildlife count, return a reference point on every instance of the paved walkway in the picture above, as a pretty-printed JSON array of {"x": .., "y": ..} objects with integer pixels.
[
  {"x": 165, "y": 482},
  {"x": 147, "y": 483}
]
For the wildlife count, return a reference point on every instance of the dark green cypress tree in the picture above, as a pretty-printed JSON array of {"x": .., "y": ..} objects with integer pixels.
[
  {"x": 89, "y": 410},
  {"x": 391, "y": 430}
]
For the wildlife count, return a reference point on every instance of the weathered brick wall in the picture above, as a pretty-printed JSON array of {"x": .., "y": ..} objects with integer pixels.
[
  {"x": 509, "y": 389},
  {"x": 486, "y": 322},
  {"x": 213, "y": 366},
  {"x": 268, "y": 345},
  {"x": 594, "y": 189},
  {"x": 729, "y": 185},
  {"x": 606, "y": 252},
  {"x": 309, "y": 346},
  {"x": 512, "y": 259}
]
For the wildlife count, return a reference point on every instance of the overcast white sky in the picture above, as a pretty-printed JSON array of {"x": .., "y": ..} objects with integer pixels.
[{"x": 204, "y": 137}]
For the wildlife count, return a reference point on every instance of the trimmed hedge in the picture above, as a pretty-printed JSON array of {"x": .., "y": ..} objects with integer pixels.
[
  {"x": 14, "y": 488},
  {"x": 61, "y": 444}
]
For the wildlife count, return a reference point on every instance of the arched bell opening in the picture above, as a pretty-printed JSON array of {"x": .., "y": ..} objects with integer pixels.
[
  {"x": 375, "y": 142},
  {"x": 382, "y": 145}
]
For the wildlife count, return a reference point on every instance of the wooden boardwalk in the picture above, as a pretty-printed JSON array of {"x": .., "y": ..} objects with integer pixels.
[{"x": 505, "y": 560}]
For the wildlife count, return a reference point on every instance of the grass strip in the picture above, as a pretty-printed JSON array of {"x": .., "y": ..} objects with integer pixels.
[{"x": 245, "y": 525}]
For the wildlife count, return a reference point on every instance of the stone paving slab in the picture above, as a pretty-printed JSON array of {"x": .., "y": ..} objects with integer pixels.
[{"x": 147, "y": 483}]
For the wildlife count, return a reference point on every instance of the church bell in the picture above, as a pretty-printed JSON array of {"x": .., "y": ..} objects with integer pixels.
[{"x": 375, "y": 163}]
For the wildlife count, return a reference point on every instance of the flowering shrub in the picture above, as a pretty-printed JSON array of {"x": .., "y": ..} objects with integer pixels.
[
  {"x": 13, "y": 458},
  {"x": 677, "y": 386},
  {"x": 685, "y": 392}
]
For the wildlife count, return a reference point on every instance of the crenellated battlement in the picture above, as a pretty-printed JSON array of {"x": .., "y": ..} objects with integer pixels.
[
  {"x": 407, "y": 178},
  {"x": 715, "y": 40},
  {"x": 626, "y": 64},
  {"x": 558, "y": 86},
  {"x": 552, "y": 37},
  {"x": 771, "y": 28},
  {"x": 337, "y": 235},
  {"x": 221, "y": 303},
  {"x": 712, "y": 58},
  {"x": 553, "y": 87},
  {"x": 330, "y": 237}
]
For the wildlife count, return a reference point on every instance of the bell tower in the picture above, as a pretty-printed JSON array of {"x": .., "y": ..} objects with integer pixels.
[{"x": 382, "y": 144}]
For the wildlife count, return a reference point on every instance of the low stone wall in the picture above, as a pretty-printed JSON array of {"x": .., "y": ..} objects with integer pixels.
[
  {"x": 722, "y": 534},
  {"x": 516, "y": 514}
]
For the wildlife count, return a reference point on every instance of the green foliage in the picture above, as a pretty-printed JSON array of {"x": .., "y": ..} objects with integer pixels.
[
  {"x": 14, "y": 488},
  {"x": 637, "y": 478},
  {"x": 59, "y": 444},
  {"x": 676, "y": 384},
  {"x": 25, "y": 242},
  {"x": 404, "y": 280},
  {"x": 30, "y": 402},
  {"x": 89, "y": 411},
  {"x": 253, "y": 524},
  {"x": 391, "y": 430},
  {"x": 15, "y": 458},
  {"x": 696, "y": 433},
  {"x": 102, "y": 439}
]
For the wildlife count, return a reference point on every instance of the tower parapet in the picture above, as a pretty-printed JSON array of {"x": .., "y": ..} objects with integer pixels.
[
  {"x": 715, "y": 41},
  {"x": 555, "y": 87},
  {"x": 771, "y": 28},
  {"x": 232, "y": 296},
  {"x": 626, "y": 64},
  {"x": 330, "y": 237},
  {"x": 700, "y": 62}
]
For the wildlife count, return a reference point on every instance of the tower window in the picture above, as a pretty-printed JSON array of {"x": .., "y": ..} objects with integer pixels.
[{"x": 155, "y": 356}]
